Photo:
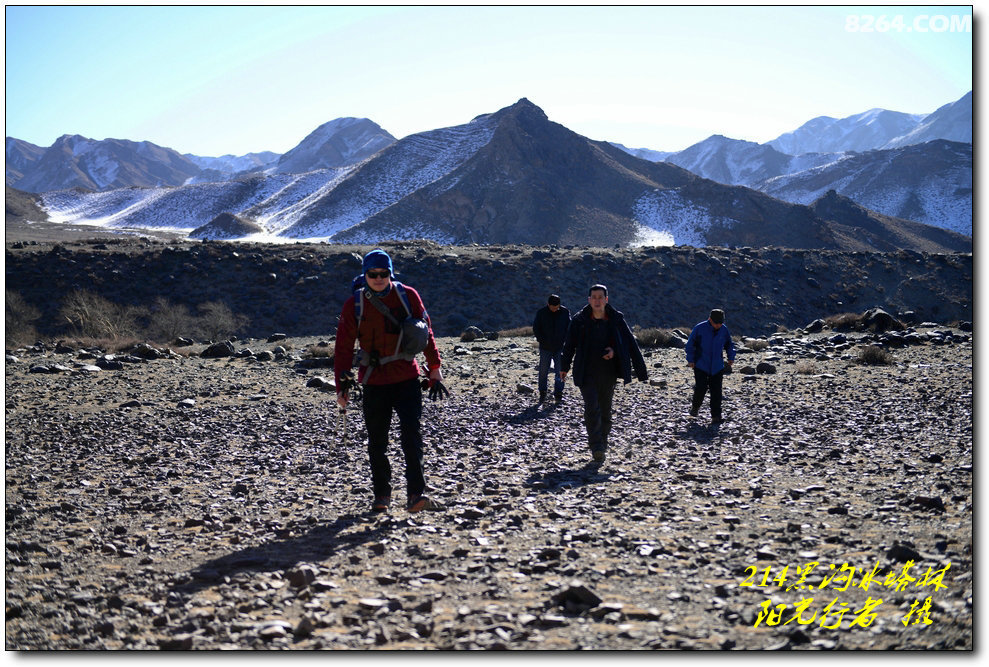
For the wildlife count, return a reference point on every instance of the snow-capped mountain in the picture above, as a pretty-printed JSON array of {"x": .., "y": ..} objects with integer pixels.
[
  {"x": 20, "y": 158},
  {"x": 952, "y": 122},
  {"x": 923, "y": 185},
  {"x": 228, "y": 165},
  {"x": 861, "y": 132},
  {"x": 512, "y": 176},
  {"x": 338, "y": 143},
  {"x": 930, "y": 183},
  {"x": 736, "y": 162},
  {"x": 75, "y": 161},
  {"x": 644, "y": 153}
]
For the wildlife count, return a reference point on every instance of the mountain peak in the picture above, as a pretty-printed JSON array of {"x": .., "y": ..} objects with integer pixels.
[{"x": 336, "y": 143}]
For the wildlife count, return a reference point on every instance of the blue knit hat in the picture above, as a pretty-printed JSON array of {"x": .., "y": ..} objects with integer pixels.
[{"x": 378, "y": 259}]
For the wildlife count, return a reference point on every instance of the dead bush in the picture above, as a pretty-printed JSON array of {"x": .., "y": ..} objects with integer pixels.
[
  {"x": 168, "y": 321},
  {"x": 652, "y": 337},
  {"x": 216, "y": 321},
  {"x": 844, "y": 321},
  {"x": 873, "y": 355},
  {"x": 805, "y": 367},
  {"x": 91, "y": 316},
  {"x": 518, "y": 332},
  {"x": 19, "y": 319}
]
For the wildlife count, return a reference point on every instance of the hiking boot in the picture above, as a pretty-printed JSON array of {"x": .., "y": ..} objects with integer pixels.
[
  {"x": 419, "y": 503},
  {"x": 598, "y": 455},
  {"x": 542, "y": 397},
  {"x": 558, "y": 398},
  {"x": 694, "y": 411},
  {"x": 381, "y": 503}
]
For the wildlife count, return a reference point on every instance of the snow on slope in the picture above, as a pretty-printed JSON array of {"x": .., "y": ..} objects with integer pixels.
[
  {"x": 232, "y": 164},
  {"x": 189, "y": 206},
  {"x": 284, "y": 208},
  {"x": 675, "y": 219},
  {"x": 395, "y": 173},
  {"x": 296, "y": 206},
  {"x": 888, "y": 182}
]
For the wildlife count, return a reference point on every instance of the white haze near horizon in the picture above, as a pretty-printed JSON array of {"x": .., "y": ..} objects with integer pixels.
[{"x": 231, "y": 80}]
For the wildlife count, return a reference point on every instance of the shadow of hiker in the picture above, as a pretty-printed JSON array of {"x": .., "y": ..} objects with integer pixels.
[
  {"x": 703, "y": 432},
  {"x": 284, "y": 553},
  {"x": 560, "y": 480},
  {"x": 532, "y": 413}
]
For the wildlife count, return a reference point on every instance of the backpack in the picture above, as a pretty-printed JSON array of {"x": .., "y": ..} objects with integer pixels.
[{"x": 413, "y": 331}]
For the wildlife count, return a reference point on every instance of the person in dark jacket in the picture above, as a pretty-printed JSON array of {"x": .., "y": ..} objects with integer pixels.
[
  {"x": 705, "y": 345},
  {"x": 550, "y": 329},
  {"x": 601, "y": 348},
  {"x": 389, "y": 387}
]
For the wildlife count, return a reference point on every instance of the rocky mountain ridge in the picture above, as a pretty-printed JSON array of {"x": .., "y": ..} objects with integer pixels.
[
  {"x": 512, "y": 176},
  {"x": 916, "y": 180}
]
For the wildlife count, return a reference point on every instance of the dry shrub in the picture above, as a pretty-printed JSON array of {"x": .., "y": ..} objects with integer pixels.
[
  {"x": 216, "y": 321},
  {"x": 518, "y": 332},
  {"x": 874, "y": 355},
  {"x": 91, "y": 316},
  {"x": 844, "y": 321},
  {"x": 805, "y": 367},
  {"x": 758, "y": 344},
  {"x": 19, "y": 318},
  {"x": 168, "y": 321},
  {"x": 318, "y": 351},
  {"x": 653, "y": 336}
]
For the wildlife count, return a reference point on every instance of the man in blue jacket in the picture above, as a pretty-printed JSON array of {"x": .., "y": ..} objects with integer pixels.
[
  {"x": 602, "y": 349},
  {"x": 704, "y": 348},
  {"x": 550, "y": 329}
]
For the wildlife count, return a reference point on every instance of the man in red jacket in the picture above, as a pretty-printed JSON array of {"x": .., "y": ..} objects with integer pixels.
[{"x": 390, "y": 386}]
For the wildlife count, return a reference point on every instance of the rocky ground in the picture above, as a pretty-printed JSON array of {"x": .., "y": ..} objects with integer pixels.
[{"x": 190, "y": 502}]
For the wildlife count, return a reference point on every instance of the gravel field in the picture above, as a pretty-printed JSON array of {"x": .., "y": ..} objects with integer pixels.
[{"x": 184, "y": 502}]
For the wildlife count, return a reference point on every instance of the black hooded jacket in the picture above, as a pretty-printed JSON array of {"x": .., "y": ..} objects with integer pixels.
[
  {"x": 550, "y": 328},
  {"x": 625, "y": 346}
]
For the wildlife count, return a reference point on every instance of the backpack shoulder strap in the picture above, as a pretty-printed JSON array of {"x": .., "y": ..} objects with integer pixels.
[
  {"x": 359, "y": 304},
  {"x": 403, "y": 297}
]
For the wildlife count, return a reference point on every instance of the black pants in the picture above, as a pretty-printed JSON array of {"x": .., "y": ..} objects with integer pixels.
[
  {"x": 598, "y": 393},
  {"x": 405, "y": 398},
  {"x": 704, "y": 383}
]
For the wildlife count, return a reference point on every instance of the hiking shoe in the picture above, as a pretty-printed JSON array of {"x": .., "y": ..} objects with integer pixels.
[
  {"x": 418, "y": 504},
  {"x": 694, "y": 411},
  {"x": 558, "y": 398},
  {"x": 381, "y": 503},
  {"x": 598, "y": 455},
  {"x": 542, "y": 397}
]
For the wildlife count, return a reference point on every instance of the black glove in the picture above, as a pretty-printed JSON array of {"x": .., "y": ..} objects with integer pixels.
[{"x": 437, "y": 390}]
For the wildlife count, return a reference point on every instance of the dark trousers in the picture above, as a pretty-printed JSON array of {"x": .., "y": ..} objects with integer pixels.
[
  {"x": 704, "y": 383},
  {"x": 598, "y": 394},
  {"x": 545, "y": 358},
  {"x": 405, "y": 398}
]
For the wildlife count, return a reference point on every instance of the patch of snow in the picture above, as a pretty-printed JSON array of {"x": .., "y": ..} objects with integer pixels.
[
  {"x": 669, "y": 214},
  {"x": 647, "y": 236}
]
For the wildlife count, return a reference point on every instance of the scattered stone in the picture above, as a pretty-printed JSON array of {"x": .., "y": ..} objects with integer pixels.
[{"x": 218, "y": 350}]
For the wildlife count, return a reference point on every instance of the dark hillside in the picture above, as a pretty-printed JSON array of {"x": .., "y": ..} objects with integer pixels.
[{"x": 299, "y": 289}]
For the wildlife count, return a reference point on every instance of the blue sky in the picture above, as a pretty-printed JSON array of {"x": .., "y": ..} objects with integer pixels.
[{"x": 232, "y": 80}]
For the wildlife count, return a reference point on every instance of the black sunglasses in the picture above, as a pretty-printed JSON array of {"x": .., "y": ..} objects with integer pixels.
[{"x": 378, "y": 274}]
